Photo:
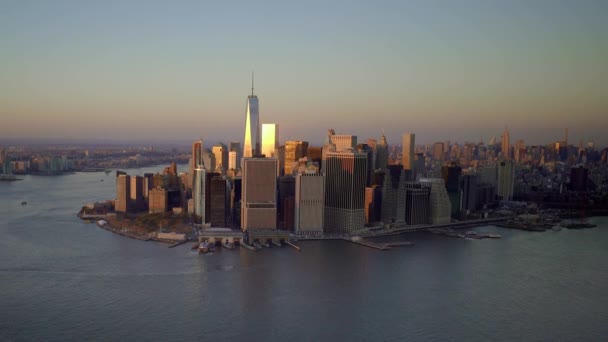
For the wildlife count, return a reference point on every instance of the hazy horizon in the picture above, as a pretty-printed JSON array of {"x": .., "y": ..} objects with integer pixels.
[{"x": 457, "y": 71}]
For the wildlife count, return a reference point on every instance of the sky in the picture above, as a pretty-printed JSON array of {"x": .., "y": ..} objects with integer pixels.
[{"x": 180, "y": 70}]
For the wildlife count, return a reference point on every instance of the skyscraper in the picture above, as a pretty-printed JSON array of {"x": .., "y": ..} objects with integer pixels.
[
  {"x": 123, "y": 193},
  {"x": 309, "y": 203},
  {"x": 198, "y": 193},
  {"x": 251, "y": 144},
  {"x": 294, "y": 150},
  {"x": 270, "y": 139},
  {"x": 505, "y": 144},
  {"x": 220, "y": 153},
  {"x": 345, "y": 174},
  {"x": 382, "y": 153},
  {"x": 506, "y": 173},
  {"x": 408, "y": 147},
  {"x": 439, "y": 200},
  {"x": 259, "y": 198}
]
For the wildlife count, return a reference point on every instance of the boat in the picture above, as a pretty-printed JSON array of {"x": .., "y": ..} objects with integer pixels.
[
  {"x": 24, "y": 203},
  {"x": 203, "y": 247},
  {"x": 494, "y": 236},
  {"x": 228, "y": 245},
  {"x": 556, "y": 228},
  {"x": 578, "y": 225},
  {"x": 195, "y": 246}
]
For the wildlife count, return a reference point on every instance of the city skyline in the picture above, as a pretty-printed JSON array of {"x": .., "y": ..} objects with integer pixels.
[{"x": 73, "y": 70}]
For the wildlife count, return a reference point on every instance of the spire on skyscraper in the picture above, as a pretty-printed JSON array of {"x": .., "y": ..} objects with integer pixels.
[{"x": 252, "y": 83}]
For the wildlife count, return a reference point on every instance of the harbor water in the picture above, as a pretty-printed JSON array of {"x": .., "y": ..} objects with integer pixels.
[{"x": 64, "y": 279}]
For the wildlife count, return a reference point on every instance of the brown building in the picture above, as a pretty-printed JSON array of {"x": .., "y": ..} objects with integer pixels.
[
  {"x": 294, "y": 150},
  {"x": 123, "y": 193},
  {"x": 137, "y": 193},
  {"x": 259, "y": 199},
  {"x": 157, "y": 202},
  {"x": 218, "y": 201}
]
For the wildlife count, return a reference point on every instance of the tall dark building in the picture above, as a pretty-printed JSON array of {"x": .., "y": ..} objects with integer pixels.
[
  {"x": 235, "y": 203},
  {"x": 208, "y": 177},
  {"x": 373, "y": 204},
  {"x": 286, "y": 205},
  {"x": 417, "y": 204},
  {"x": 469, "y": 192},
  {"x": 393, "y": 195},
  {"x": 578, "y": 178},
  {"x": 219, "y": 202},
  {"x": 364, "y": 148},
  {"x": 451, "y": 176}
]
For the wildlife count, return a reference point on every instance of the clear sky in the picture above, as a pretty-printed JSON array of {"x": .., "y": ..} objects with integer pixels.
[{"x": 178, "y": 70}]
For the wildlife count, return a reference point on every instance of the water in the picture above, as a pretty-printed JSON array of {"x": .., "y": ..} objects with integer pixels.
[{"x": 63, "y": 279}]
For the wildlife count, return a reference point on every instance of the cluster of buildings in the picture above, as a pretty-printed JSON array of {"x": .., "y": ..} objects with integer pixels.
[{"x": 343, "y": 186}]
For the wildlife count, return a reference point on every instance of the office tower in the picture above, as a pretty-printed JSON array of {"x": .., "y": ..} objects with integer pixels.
[
  {"x": 488, "y": 175},
  {"x": 220, "y": 154},
  {"x": 342, "y": 142},
  {"x": 270, "y": 139},
  {"x": 123, "y": 193},
  {"x": 148, "y": 185},
  {"x": 382, "y": 153},
  {"x": 259, "y": 199},
  {"x": 218, "y": 212},
  {"x": 419, "y": 167},
  {"x": 373, "y": 204},
  {"x": 198, "y": 194},
  {"x": 208, "y": 177},
  {"x": 209, "y": 160},
  {"x": 232, "y": 160},
  {"x": 486, "y": 195},
  {"x": 439, "y": 200},
  {"x": 314, "y": 154},
  {"x": 505, "y": 145},
  {"x": 393, "y": 195},
  {"x": 506, "y": 174},
  {"x": 578, "y": 178},
  {"x": 157, "y": 201},
  {"x": 519, "y": 151},
  {"x": 251, "y": 143},
  {"x": 451, "y": 176},
  {"x": 438, "y": 151},
  {"x": 469, "y": 192},
  {"x": 309, "y": 203},
  {"x": 417, "y": 204},
  {"x": 345, "y": 175},
  {"x": 280, "y": 155},
  {"x": 235, "y": 146},
  {"x": 373, "y": 144},
  {"x": 286, "y": 202},
  {"x": 136, "y": 195},
  {"x": 364, "y": 148},
  {"x": 197, "y": 154},
  {"x": 294, "y": 150},
  {"x": 235, "y": 202},
  {"x": 407, "y": 156}
]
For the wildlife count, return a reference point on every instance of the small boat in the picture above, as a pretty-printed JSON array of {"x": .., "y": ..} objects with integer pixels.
[
  {"x": 203, "y": 247},
  {"x": 195, "y": 246},
  {"x": 228, "y": 245},
  {"x": 556, "y": 228},
  {"x": 494, "y": 236},
  {"x": 24, "y": 203}
]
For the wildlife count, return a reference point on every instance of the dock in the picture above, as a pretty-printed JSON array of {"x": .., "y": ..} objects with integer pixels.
[
  {"x": 370, "y": 244},
  {"x": 178, "y": 243},
  {"x": 248, "y": 246},
  {"x": 299, "y": 249},
  {"x": 399, "y": 244}
]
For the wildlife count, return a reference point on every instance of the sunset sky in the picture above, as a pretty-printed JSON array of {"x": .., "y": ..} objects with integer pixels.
[{"x": 179, "y": 70}]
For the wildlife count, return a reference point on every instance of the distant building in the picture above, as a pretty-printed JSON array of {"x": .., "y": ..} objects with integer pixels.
[
  {"x": 232, "y": 160},
  {"x": 235, "y": 146},
  {"x": 270, "y": 139},
  {"x": 393, "y": 195},
  {"x": 294, "y": 150},
  {"x": 578, "y": 178},
  {"x": 309, "y": 203},
  {"x": 198, "y": 194},
  {"x": 219, "y": 203},
  {"x": 286, "y": 202},
  {"x": 438, "y": 151},
  {"x": 408, "y": 147},
  {"x": 469, "y": 192},
  {"x": 251, "y": 142},
  {"x": 439, "y": 200},
  {"x": 345, "y": 191},
  {"x": 373, "y": 204},
  {"x": 451, "y": 176},
  {"x": 506, "y": 175},
  {"x": 382, "y": 153},
  {"x": 259, "y": 199},
  {"x": 506, "y": 147},
  {"x": 343, "y": 142},
  {"x": 220, "y": 154},
  {"x": 158, "y": 201},
  {"x": 123, "y": 193},
  {"x": 417, "y": 204},
  {"x": 137, "y": 193}
]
